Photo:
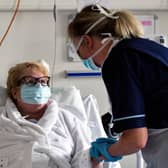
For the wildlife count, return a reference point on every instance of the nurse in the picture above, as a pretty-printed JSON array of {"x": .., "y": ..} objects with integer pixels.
[{"x": 135, "y": 73}]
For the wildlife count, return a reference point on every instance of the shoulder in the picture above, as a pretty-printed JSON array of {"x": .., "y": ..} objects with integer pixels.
[
  {"x": 119, "y": 52},
  {"x": 121, "y": 58},
  {"x": 133, "y": 52}
]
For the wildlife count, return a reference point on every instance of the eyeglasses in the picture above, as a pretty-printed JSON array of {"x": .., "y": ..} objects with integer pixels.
[
  {"x": 73, "y": 46},
  {"x": 31, "y": 80}
]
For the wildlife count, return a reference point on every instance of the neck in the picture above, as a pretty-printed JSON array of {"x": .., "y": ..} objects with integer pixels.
[
  {"x": 103, "y": 55},
  {"x": 33, "y": 113}
]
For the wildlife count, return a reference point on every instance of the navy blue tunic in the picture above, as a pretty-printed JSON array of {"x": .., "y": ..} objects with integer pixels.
[{"x": 136, "y": 78}]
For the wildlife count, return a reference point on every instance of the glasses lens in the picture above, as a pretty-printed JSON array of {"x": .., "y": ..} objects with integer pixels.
[
  {"x": 30, "y": 80},
  {"x": 44, "y": 81}
]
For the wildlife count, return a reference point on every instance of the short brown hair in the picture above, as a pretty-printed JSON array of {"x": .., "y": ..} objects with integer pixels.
[{"x": 15, "y": 73}]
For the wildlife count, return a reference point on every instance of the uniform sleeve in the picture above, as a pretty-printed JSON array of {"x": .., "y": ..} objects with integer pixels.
[{"x": 122, "y": 76}]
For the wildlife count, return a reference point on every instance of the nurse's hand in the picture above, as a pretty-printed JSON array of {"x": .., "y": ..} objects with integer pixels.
[{"x": 99, "y": 149}]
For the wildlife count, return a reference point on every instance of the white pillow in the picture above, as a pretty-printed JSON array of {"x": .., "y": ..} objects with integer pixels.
[
  {"x": 93, "y": 116},
  {"x": 70, "y": 99}
]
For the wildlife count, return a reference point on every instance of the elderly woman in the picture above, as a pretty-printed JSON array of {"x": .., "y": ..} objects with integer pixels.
[{"x": 33, "y": 129}]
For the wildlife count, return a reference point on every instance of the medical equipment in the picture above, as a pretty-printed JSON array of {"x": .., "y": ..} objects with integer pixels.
[
  {"x": 11, "y": 22},
  {"x": 82, "y": 73},
  {"x": 159, "y": 38},
  {"x": 54, "y": 11}
]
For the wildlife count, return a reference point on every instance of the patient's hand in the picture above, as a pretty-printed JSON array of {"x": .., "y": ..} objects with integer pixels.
[{"x": 96, "y": 164}]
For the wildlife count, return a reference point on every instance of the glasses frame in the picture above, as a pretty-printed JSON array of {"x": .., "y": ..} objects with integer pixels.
[{"x": 22, "y": 80}]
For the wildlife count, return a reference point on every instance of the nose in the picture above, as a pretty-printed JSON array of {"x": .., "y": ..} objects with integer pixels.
[{"x": 38, "y": 84}]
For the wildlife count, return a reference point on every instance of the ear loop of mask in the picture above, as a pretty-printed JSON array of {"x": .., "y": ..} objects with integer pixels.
[
  {"x": 104, "y": 42},
  {"x": 88, "y": 30},
  {"x": 89, "y": 63},
  {"x": 115, "y": 41},
  {"x": 102, "y": 11}
]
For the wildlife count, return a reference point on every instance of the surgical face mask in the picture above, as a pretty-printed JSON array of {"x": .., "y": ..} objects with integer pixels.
[
  {"x": 36, "y": 94},
  {"x": 89, "y": 63}
]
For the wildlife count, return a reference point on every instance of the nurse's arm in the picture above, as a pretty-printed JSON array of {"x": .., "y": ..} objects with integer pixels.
[{"x": 131, "y": 141}]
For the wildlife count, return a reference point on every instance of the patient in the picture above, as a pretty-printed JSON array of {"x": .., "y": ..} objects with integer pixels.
[{"x": 34, "y": 129}]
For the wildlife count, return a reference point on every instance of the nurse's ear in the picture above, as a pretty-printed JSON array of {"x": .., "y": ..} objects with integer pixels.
[{"x": 88, "y": 42}]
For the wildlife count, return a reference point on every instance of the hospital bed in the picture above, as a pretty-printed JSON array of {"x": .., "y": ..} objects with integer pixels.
[{"x": 88, "y": 113}]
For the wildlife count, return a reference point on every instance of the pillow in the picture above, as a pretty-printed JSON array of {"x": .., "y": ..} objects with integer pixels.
[
  {"x": 70, "y": 99},
  {"x": 93, "y": 116},
  {"x": 3, "y": 95}
]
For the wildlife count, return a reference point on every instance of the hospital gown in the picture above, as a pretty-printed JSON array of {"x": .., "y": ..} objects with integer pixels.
[{"x": 65, "y": 143}]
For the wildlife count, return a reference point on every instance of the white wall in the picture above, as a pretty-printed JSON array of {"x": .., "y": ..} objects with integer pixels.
[
  {"x": 34, "y": 35},
  {"x": 31, "y": 37}
]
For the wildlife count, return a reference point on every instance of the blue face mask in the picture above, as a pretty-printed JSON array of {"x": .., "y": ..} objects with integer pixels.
[
  {"x": 35, "y": 94},
  {"x": 89, "y": 63}
]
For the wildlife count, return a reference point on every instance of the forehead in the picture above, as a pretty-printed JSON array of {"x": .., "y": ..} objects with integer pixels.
[{"x": 32, "y": 72}]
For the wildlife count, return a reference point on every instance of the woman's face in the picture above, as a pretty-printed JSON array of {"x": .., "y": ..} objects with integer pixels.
[
  {"x": 29, "y": 75},
  {"x": 87, "y": 46}
]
